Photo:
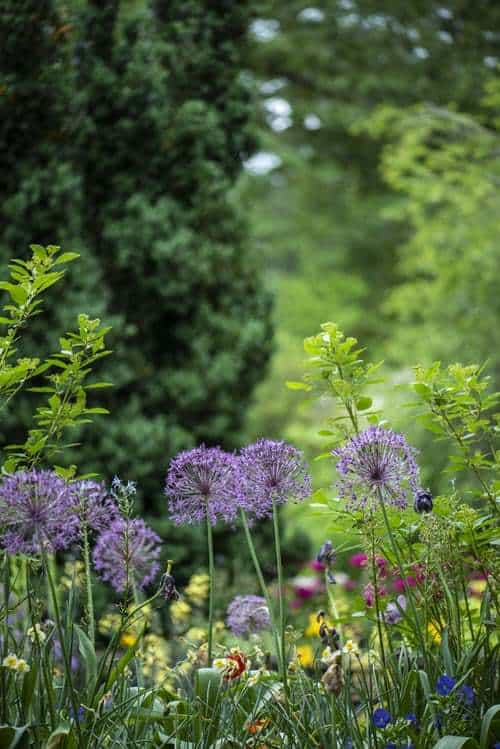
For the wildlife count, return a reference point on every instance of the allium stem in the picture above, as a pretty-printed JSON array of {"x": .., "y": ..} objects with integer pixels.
[
  {"x": 262, "y": 583},
  {"x": 408, "y": 590},
  {"x": 64, "y": 651},
  {"x": 88, "y": 584},
  {"x": 211, "y": 575},
  {"x": 279, "y": 569}
]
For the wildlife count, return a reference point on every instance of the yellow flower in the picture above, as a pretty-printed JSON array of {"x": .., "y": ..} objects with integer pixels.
[
  {"x": 435, "y": 633},
  {"x": 305, "y": 654},
  {"x": 127, "y": 639},
  {"x": 196, "y": 634},
  {"x": 10, "y": 661},
  {"x": 312, "y": 629},
  {"x": 22, "y": 666},
  {"x": 180, "y": 612},
  {"x": 350, "y": 648},
  {"x": 197, "y": 588},
  {"x": 477, "y": 587},
  {"x": 108, "y": 624}
]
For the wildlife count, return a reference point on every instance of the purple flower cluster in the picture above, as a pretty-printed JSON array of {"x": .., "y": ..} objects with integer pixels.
[
  {"x": 376, "y": 460},
  {"x": 127, "y": 554},
  {"x": 93, "y": 505},
  {"x": 247, "y": 615},
  {"x": 37, "y": 513},
  {"x": 207, "y": 482},
  {"x": 272, "y": 472}
]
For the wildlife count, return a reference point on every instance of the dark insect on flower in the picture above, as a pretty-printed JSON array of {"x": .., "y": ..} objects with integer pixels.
[
  {"x": 445, "y": 685},
  {"x": 423, "y": 501},
  {"x": 202, "y": 483},
  {"x": 381, "y": 718},
  {"x": 127, "y": 554},
  {"x": 37, "y": 513},
  {"x": 247, "y": 615},
  {"x": 328, "y": 635},
  {"x": 271, "y": 472},
  {"x": 377, "y": 460},
  {"x": 167, "y": 587},
  {"x": 327, "y": 557}
]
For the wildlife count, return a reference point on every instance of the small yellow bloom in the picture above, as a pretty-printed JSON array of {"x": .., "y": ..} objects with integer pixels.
[
  {"x": 128, "y": 639},
  {"x": 197, "y": 589},
  {"x": 350, "y": 648},
  {"x": 180, "y": 612},
  {"x": 22, "y": 666},
  {"x": 434, "y": 632},
  {"x": 305, "y": 654},
  {"x": 10, "y": 661}
]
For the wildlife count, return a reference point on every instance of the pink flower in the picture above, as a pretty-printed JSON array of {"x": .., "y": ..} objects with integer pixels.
[
  {"x": 318, "y": 566},
  {"x": 382, "y": 565},
  {"x": 358, "y": 560},
  {"x": 369, "y": 595},
  {"x": 401, "y": 584}
]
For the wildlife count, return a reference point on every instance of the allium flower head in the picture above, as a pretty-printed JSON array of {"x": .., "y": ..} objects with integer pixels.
[
  {"x": 247, "y": 615},
  {"x": 272, "y": 472},
  {"x": 36, "y": 512},
  {"x": 376, "y": 460},
  {"x": 130, "y": 548},
  {"x": 202, "y": 483},
  {"x": 94, "y": 505}
]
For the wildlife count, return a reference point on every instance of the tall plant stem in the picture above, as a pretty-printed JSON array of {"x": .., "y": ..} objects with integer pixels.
[
  {"x": 263, "y": 586},
  {"x": 211, "y": 575},
  {"x": 399, "y": 560},
  {"x": 88, "y": 586},
  {"x": 279, "y": 569},
  {"x": 64, "y": 650}
]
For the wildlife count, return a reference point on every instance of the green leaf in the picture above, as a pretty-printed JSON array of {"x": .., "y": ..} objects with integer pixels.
[
  {"x": 14, "y": 738},
  {"x": 89, "y": 657},
  {"x": 297, "y": 385},
  {"x": 363, "y": 403},
  {"x": 456, "y": 742},
  {"x": 490, "y": 725},
  {"x": 61, "y": 738},
  {"x": 67, "y": 257}
]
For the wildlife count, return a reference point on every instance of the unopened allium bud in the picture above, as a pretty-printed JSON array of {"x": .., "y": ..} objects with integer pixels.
[
  {"x": 326, "y": 557},
  {"x": 423, "y": 501},
  {"x": 167, "y": 585}
]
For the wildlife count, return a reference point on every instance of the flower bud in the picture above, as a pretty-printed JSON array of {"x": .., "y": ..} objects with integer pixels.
[{"x": 423, "y": 501}]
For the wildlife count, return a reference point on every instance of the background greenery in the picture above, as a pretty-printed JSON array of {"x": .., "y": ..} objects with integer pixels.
[{"x": 368, "y": 133}]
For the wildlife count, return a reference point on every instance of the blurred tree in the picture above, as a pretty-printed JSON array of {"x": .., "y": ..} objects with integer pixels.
[{"x": 123, "y": 131}]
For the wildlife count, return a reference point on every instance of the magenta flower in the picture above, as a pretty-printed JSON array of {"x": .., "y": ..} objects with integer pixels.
[
  {"x": 377, "y": 460},
  {"x": 127, "y": 554},
  {"x": 36, "y": 513},
  {"x": 369, "y": 595},
  {"x": 272, "y": 472},
  {"x": 202, "y": 483},
  {"x": 359, "y": 559}
]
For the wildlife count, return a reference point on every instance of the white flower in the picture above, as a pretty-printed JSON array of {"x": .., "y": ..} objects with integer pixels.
[
  {"x": 22, "y": 666},
  {"x": 35, "y": 633},
  {"x": 350, "y": 648},
  {"x": 10, "y": 661}
]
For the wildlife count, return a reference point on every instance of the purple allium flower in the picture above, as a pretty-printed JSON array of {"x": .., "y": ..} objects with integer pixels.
[
  {"x": 93, "y": 504},
  {"x": 36, "y": 512},
  {"x": 445, "y": 685},
  {"x": 381, "y": 718},
  {"x": 247, "y": 615},
  {"x": 377, "y": 459},
  {"x": 272, "y": 472},
  {"x": 466, "y": 694},
  {"x": 202, "y": 483},
  {"x": 127, "y": 553}
]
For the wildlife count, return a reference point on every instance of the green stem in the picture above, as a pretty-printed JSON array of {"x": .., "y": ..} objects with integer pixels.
[
  {"x": 64, "y": 650},
  {"x": 88, "y": 586},
  {"x": 262, "y": 583},
  {"x": 279, "y": 568},
  {"x": 211, "y": 575}
]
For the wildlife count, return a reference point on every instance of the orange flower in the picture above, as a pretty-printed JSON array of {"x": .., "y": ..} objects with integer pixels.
[{"x": 257, "y": 725}]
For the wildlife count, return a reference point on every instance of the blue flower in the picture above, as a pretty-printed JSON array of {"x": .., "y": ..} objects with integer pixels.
[
  {"x": 496, "y": 745},
  {"x": 445, "y": 684},
  {"x": 466, "y": 694},
  {"x": 391, "y": 745},
  {"x": 412, "y": 720},
  {"x": 381, "y": 718}
]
